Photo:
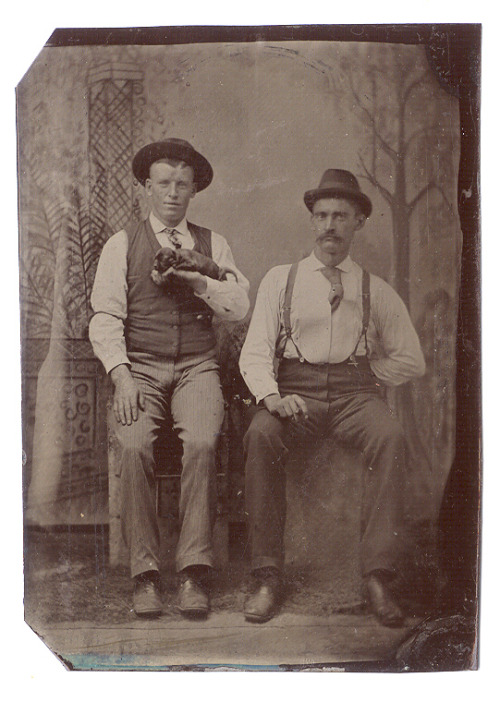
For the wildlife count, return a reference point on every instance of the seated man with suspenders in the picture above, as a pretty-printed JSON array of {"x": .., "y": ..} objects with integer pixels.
[{"x": 337, "y": 335}]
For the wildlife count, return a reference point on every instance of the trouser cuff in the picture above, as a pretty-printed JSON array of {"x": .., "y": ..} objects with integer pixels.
[
  {"x": 267, "y": 562},
  {"x": 378, "y": 565},
  {"x": 139, "y": 569},
  {"x": 187, "y": 561}
]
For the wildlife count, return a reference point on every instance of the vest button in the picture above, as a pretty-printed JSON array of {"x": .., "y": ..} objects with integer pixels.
[{"x": 175, "y": 326}]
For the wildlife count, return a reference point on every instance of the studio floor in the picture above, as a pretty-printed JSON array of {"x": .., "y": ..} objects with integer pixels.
[{"x": 81, "y": 608}]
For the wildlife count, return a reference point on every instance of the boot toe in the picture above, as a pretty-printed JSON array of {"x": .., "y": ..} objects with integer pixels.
[{"x": 192, "y": 599}]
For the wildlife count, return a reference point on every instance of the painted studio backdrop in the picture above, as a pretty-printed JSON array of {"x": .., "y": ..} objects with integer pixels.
[{"x": 270, "y": 117}]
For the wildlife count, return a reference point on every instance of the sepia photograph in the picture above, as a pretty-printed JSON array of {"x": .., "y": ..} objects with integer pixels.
[{"x": 250, "y": 347}]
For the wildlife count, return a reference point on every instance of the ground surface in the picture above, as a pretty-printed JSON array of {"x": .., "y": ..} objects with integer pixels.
[{"x": 81, "y": 609}]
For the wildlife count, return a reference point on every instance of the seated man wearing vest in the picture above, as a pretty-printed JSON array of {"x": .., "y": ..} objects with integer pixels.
[
  {"x": 158, "y": 345},
  {"x": 339, "y": 335}
]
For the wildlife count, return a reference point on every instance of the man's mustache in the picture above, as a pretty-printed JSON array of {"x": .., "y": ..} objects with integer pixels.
[{"x": 330, "y": 234}]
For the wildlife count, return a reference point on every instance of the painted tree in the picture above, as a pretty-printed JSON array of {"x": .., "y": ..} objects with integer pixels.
[{"x": 406, "y": 153}]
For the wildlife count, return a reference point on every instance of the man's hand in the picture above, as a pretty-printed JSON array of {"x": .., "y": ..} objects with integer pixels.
[
  {"x": 289, "y": 406},
  {"x": 128, "y": 398},
  {"x": 195, "y": 280}
]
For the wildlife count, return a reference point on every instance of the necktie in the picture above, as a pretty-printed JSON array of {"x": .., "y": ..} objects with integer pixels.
[
  {"x": 173, "y": 236},
  {"x": 336, "y": 289}
]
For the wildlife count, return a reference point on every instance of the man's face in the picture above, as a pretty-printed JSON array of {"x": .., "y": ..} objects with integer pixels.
[
  {"x": 170, "y": 187},
  {"x": 334, "y": 223}
]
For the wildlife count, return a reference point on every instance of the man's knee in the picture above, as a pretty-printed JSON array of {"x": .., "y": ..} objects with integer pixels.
[
  {"x": 134, "y": 443},
  {"x": 264, "y": 431},
  {"x": 392, "y": 433},
  {"x": 199, "y": 445},
  {"x": 388, "y": 435}
]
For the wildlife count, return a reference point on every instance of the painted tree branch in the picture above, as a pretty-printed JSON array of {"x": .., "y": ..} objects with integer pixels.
[
  {"x": 388, "y": 196},
  {"x": 414, "y": 84},
  {"x": 418, "y": 133},
  {"x": 432, "y": 185},
  {"x": 392, "y": 153}
]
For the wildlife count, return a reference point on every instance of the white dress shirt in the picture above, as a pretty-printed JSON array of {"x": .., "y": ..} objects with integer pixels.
[
  {"x": 228, "y": 299},
  {"x": 324, "y": 336}
]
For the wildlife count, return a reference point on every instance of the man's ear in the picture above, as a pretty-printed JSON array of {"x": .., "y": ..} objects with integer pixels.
[
  {"x": 194, "y": 190},
  {"x": 147, "y": 186},
  {"x": 361, "y": 219}
]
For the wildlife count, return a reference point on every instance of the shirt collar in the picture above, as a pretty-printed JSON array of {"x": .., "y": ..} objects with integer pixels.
[
  {"x": 346, "y": 266},
  {"x": 158, "y": 226}
]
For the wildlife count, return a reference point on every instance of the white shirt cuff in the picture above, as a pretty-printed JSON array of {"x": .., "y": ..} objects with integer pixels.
[
  {"x": 113, "y": 361},
  {"x": 211, "y": 289}
]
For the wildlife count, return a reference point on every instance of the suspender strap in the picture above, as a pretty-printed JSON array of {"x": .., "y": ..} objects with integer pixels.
[
  {"x": 365, "y": 299},
  {"x": 287, "y": 306},
  {"x": 365, "y": 294}
]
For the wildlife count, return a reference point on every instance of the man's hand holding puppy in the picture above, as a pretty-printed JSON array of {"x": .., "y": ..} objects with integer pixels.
[
  {"x": 196, "y": 281},
  {"x": 186, "y": 266}
]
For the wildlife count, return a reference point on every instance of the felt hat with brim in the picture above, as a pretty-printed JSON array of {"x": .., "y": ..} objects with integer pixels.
[
  {"x": 176, "y": 149},
  {"x": 339, "y": 184}
]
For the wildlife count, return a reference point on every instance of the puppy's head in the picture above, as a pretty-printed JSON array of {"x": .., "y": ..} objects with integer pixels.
[{"x": 164, "y": 260}]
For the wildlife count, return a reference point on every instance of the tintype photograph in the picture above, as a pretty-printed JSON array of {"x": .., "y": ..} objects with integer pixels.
[{"x": 249, "y": 294}]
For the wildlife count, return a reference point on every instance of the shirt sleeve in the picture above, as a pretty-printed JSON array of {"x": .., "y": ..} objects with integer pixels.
[
  {"x": 227, "y": 298},
  {"x": 109, "y": 303},
  {"x": 258, "y": 353},
  {"x": 400, "y": 358}
]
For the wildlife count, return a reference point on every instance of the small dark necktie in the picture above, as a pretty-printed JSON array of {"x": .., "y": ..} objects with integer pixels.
[
  {"x": 173, "y": 236},
  {"x": 336, "y": 289}
]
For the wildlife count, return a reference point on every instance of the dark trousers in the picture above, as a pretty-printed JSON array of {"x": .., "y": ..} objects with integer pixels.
[{"x": 344, "y": 402}]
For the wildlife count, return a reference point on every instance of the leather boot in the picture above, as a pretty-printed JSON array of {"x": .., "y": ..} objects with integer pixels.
[
  {"x": 193, "y": 599},
  {"x": 382, "y": 601},
  {"x": 265, "y": 596},
  {"x": 147, "y": 598}
]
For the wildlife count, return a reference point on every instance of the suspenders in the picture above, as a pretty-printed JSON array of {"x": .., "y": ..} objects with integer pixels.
[
  {"x": 365, "y": 301},
  {"x": 287, "y": 307},
  {"x": 287, "y": 324}
]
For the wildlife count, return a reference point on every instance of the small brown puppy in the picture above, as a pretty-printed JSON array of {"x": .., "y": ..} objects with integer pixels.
[{"x": 185, "y": 260}]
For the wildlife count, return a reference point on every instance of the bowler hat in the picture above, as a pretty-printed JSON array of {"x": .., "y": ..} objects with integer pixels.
[
  {"x": 342, "y": 184},
  {"x": 176, "y": 149}
]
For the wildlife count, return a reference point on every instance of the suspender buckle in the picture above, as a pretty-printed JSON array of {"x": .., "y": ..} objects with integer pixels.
[{"x": 352, "y": 361}]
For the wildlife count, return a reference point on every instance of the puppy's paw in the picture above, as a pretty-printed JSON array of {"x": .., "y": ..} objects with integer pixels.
[{"x": 158, "y": 278}]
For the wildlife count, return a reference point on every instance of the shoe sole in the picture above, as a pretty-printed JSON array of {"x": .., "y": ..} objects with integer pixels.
[
  {"x": 259, "y": 619},
  {"x": 391, "y": 623},
  {"x": 148, "y": 613}
]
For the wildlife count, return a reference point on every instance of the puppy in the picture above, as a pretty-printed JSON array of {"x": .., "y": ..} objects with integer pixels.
[
  {"x": 164, "y": 261},
  {"x": 185, "y": 260}
]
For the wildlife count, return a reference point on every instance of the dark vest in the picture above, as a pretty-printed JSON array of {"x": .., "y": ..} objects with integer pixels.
[{"x": 158, "y": 321}]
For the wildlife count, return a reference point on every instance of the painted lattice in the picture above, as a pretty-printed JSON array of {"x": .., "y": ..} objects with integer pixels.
[{"x": 114, "y": 102}]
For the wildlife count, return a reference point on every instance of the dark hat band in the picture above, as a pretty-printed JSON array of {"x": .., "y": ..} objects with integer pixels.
[
  {"x": 340, "y": 184},
  {"x": 363, "y": 200}
]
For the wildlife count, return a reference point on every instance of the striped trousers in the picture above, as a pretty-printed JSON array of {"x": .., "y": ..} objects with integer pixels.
[{"x": 187, "y": 390}]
